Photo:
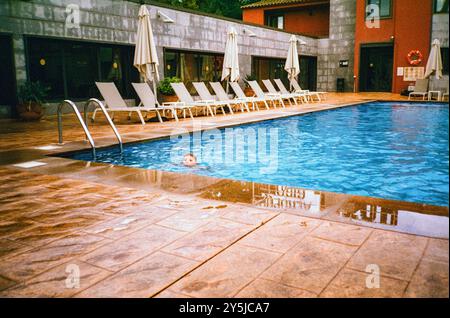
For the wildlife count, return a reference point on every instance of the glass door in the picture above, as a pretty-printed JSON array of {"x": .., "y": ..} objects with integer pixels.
[{"x": 7, "y": 80}]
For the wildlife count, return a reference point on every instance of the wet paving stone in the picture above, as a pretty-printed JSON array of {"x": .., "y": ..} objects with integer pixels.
[
  {"x": 226, "y": 274},
  {"x": 263, "y": 288},
  {"x": 342, "y": 233},
  {"x": 38, "y": 260},
  {"x": 57, "y": 282},
  {"x": 208, "y": 240},
  {"x": 118, "y": 227},
  {"x": 353, "y": 284},
  {"x": 143, "y": 279},
  {"x": 310, "y": 265},
  {"x": 429, "y": 281},
  {"x": 5, "y": 283},
  {"x": 437, "y": 250},
  {"x": 131, "y": 248},
  {"x": 8, "y": 248},
  {"x": 281, "y": 233},
  {"x": 104, "y": 219},
  {"x": 397, "y": 255}
]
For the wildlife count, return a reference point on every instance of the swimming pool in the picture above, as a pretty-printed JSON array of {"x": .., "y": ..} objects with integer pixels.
[{"x": 393, "y": 151}]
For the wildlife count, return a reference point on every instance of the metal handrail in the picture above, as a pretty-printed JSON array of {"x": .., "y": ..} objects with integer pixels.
[
  {"x": 108, "y": 118},
  {"x": 80, "y": 119}
]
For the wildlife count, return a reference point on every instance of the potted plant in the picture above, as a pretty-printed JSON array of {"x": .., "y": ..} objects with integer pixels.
[
  {"x": 31, "y": 97},
  {"x": 166, "y": 91},
  {"x": 247, "y": 90}
]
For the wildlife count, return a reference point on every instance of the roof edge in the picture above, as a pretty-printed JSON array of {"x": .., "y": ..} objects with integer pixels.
[
  {"x": 219, "y": 17},
  {"x": 263, "y": 4}
]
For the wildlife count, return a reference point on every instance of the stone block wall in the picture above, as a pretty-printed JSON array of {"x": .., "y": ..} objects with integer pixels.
[
  {"x": 440, "y": 30},
  {"x": 115, "y": 21},
  {"x": 339, "y": 46}
]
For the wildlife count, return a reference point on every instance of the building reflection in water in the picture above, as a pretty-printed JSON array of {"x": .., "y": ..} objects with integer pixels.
[
  {"x": 406, "y": 217},
  {"x": 370, "y": 213},
  {"x": 283, "y": 197}
]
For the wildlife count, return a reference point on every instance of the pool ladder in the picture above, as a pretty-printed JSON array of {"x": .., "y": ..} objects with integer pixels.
[{"x": 84, "y": 123}]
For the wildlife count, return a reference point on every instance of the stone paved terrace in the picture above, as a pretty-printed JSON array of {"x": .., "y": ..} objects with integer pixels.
[{"x": 131, "y": 238}]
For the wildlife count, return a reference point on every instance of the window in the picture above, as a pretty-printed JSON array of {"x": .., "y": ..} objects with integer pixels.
[
  {"x": 71, "y": 68},
  {"x": 193, "y": 67},
  {"x": 444, "y": 53},
  {"x": 272, "y": 68},
  {"x": 441, "y": 6},
  {"x": 385, "y": 8},
  {"x": 275, "y": 21},
  {"x": 269, "y": 68}
]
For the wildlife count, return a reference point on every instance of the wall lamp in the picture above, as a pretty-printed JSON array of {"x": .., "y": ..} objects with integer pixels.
[
  {"x": 164, "y": 17},
  {"x": 250, "y": 33}
]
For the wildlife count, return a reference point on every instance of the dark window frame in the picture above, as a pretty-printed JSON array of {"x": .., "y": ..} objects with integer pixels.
[
  {"x": 256, "y": 59},
  {"x": 445, "y": 61},
  {"x": 127, "y": 68},
  {"x": 270, "y": 15},
  {"x": 217, "y": 73},
  {"x": 445, "y": 7},
  {"x": 312, "y": 81},
  {"x": 12, "y": 75},
  {"x": 382, "y": 17}
]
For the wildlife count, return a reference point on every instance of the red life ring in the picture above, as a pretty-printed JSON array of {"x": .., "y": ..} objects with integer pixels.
[{"x": 414, "y": 57}]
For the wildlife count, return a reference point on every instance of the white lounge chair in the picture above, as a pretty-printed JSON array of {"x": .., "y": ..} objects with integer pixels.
[
  {"x": 248, "y": 100},
  {"x": 115, "y": 103},
  {"x": 149, "y": 101},
  {"x": 204, "y": 94},
  {"x": 223, "y": 96},
  {"x": 444, "y": 95},
  {"x": 298, "y": 89},
  {"x": 420, "y": 89},
  {"x": 185, "y": 97},
  {"x": 301, "y": 96},
  {"x": 273, "y": 91},
  {"x": 268, "y": 97}
]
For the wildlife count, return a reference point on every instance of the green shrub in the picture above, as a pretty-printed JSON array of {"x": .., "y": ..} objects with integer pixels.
[
  {"x": 32, "y": 92},
  {"x": 164, "y": 86},
  {"x": 248, "y": 78}
]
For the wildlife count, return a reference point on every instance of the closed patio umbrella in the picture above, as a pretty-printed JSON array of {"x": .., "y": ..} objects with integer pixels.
[
  {"x": 434, "y": 64},
  {"x": 230, "y": 70},
  {"x": 292, "y": 64},
  {"x": 145, "y": 57}
]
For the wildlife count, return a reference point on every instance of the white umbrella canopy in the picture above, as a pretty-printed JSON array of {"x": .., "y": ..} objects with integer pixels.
[
  {"x": 434, "y": 64},
  {"x": 145, "y": 57},
  {"x": 230, "y": 70},
  {"x": 292, "y": 63}
]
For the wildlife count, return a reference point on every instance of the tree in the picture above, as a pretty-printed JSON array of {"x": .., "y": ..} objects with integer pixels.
[
  {"x": 189, "y": 4},
  {"x": 226, "y": 8},
  {"x": 229, "y": 8}
]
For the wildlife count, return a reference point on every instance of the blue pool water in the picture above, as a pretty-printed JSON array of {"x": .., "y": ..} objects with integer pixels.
[{"x": 389, "y": 150}]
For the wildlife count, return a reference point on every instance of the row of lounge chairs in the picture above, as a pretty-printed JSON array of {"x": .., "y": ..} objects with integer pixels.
[
  {"x": 421, "y": 89},
  {"x": 208, "y": 105}
]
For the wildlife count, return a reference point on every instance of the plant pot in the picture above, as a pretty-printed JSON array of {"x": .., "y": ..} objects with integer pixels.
[
  {"x": 249, "y": 92},
  {"x": 30, "y": 116},
  {"x": 168, "y": 98},
  {"x": 30, "y": 111}
]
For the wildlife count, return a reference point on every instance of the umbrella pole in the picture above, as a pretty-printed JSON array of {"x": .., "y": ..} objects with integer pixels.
[
  {"x": 228, "y": 87},
  {"x": 154, "y": 84}
]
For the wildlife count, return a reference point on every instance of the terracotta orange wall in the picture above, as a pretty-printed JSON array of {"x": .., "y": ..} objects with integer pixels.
[
  {"x": 296, "y": 20},
  {"x": 255, "y": 15},
  {"x": 411, "y": 27},
  {"x": 300, "y": 21}
]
